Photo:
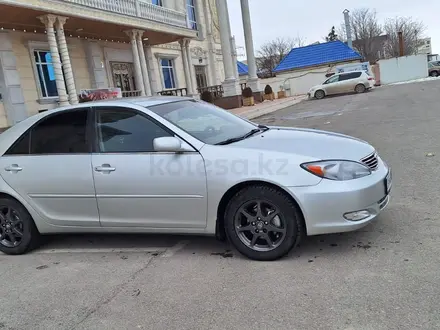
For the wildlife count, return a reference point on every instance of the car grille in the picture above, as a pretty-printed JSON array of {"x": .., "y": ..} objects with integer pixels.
[{"x": 371, "y": 161}]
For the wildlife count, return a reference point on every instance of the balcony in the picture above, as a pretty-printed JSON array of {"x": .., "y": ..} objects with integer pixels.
[
  {"x": 99, "y": 19},
  {"x": 136, "y": 8}
]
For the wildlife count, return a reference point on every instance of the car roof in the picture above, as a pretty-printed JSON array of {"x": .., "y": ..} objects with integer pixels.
[{"x": 11, "y": 134}]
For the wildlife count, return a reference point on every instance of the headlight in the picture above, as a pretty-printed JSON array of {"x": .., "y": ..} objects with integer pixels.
[{"x": 340, "y": 170}]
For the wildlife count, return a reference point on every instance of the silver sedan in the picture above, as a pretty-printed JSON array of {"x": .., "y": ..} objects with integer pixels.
[{"x": 177, "y": 165}]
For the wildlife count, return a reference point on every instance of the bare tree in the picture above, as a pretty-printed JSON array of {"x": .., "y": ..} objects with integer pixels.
[
  {"x": 412, "y": 32},
  {"x": 365, "y": 31},
  {"x": 271, "y": 53}
]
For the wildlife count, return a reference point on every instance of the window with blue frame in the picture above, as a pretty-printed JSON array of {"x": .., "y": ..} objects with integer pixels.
[
  {"x": 169, "y": 80},
  {"x": 158, "y": 3},
  {"x": 192, "y": 17}
]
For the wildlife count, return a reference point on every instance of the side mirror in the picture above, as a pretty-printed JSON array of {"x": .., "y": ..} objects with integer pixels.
[{"x": 167, "y": 144}]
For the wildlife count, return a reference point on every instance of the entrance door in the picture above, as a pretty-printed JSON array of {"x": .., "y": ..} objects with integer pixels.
[
  {"x": 201, "y": 76},
  {"x": 123, "y": 77}
]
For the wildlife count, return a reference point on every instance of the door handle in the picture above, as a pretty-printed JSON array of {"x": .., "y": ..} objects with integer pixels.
[
  {"x": 13, "y": 168},
  {"x": 105, "y": 168}
]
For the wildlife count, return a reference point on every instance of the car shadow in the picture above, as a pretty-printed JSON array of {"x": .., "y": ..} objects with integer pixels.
[{"x": 310, "y": 248}]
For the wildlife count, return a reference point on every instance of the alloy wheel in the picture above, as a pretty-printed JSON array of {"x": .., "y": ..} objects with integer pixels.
[
  {"x": 11, "y": 227},
  {"x": 260, "y": 225}
]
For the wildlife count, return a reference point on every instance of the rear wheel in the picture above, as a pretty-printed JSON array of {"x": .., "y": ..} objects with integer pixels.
[
  {"x": 434, "y": 74},
  {"x": 360, "y": 88},
  {"x": 18, "y": 233},
  {"x": 263, "y": 223},
  {"x": 319, "y": 94}
]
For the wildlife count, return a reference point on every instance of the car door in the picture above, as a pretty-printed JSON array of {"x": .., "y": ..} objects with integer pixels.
[
  {"x": 138, "y": 187},
  {"x": 332, "y": 85},
  {"x": 50, "y": 167}
]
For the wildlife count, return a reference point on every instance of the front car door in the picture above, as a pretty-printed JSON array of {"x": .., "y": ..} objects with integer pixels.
[
  {"x": 50, "y": 167},
  {"x": 332, "y": 85},
  {"x": 138, "y": 187}
]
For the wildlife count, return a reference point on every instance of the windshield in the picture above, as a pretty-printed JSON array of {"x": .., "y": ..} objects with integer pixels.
[{"x": 204, "y": 121}]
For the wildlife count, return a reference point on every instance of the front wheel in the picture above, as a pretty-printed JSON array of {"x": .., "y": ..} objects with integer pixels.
[
  {"x": 263, "y": 223},
  {"x": 434, "y": 74},
  {"x": 319, "y": 94}
]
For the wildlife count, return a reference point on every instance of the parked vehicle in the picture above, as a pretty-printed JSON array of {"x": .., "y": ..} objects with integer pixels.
[
  {"x": 177, "y": 165},
  {"x": 434, "y": 68},
  {"x": 354, "y": 81}
]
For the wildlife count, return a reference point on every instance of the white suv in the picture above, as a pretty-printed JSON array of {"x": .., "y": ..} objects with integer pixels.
[{"x": 354, "y": 81}]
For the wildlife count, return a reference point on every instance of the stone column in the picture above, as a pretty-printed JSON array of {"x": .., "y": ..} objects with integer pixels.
[
  {"x": 253, "y": 80},
  {"x": 49, "y": 21},
  {"x": 188, "y": 82},
  {"x": 67, "y": 66},
  {"x": 137, "y": 64},
  {"x": 234, "y": 57},
  {"x": 191, "y": 69},
  {"x": 153, "y": 74},
  {"x": 144, "y": 68},
  {"x": 212, "y": 75},
  {"x": 230, "y": 85}
]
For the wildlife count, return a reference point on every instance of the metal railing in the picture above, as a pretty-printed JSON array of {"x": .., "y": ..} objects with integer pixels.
[
  {"x": 131, "y": 93},
  {"x": 174, "y": 92},
  {"x": 217, "y": 91},
  {"x": 137, "y": 8}
]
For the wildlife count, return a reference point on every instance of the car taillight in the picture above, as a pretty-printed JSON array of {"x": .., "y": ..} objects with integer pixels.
[{"x": 370, "y": 78}]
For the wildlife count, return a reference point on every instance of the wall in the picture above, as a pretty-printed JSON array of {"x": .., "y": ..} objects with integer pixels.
[
  {"x": 21, "y": 43},
  {"x": 403, "y": 68}
]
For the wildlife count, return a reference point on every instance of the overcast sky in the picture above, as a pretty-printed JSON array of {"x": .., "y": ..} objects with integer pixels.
[{"x": 313, "y": 19}]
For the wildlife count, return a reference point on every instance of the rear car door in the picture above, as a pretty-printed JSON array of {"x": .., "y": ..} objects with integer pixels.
[
  {"x": 50, "y": 167},
  {"x": 349, "y": 81},
  {"x": 139, "y": 187}
]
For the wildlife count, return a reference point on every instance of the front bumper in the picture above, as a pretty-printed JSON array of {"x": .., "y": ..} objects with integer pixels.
[{"x": 325, "y": 204}]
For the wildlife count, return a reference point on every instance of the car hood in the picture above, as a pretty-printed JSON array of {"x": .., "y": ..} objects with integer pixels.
[{"x": 309, "y": 143}]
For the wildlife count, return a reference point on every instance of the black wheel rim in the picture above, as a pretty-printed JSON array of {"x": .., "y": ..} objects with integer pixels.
[
  {"x": 11, "y": 227},
  {"x": 260, "y": 225}
]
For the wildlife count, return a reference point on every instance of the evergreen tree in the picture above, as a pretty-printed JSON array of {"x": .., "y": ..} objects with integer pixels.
[{"x": 332, "y": 36}]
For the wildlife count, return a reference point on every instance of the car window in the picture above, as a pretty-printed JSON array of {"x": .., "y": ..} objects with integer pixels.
[
  {"x": 203, "y": 121},
  {"x": 123, "y": 130},
  {"x": 332, "y": 79},
  {"x": 350, "y": 75},
  {"x": 61, "y": 133}
]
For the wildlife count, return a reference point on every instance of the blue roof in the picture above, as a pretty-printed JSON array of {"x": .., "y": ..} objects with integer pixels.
[
  {"x": 242, "y": 68},
  {"x": 317, "y": 54}
]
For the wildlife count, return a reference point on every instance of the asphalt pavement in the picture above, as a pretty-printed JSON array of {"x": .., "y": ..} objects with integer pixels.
[{"x": 385, "y": 276}]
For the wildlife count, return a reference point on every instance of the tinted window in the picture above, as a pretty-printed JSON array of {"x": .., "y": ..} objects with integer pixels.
[
  {"x": 351, "y": 75},
  {"x": 62, "y": 133},
  {"x": 124, "y": 130},
  {"x": 21, "y": 146}
]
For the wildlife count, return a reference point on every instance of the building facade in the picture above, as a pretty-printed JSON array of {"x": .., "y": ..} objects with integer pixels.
[{"x": 50, "y": 50}]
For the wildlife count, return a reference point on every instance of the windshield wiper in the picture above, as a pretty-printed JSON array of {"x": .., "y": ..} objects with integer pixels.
[
  {"x": 263, "y": 127},
  {"x": 239, "y": 138}
]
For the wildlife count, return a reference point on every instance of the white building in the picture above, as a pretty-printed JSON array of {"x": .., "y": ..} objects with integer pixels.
[
  {"x": 50, "y": 50},
  {"x": 425, "y": 46}
]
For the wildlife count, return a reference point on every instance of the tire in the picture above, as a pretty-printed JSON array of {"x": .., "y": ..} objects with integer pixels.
[
  {"x": 360, "y": 88},
  {"x": 434, "y": 74},
  {"x": 29, "y": 238},
  {"x": 319, "y": 94},
  {"x": 286, "y": 219}
]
